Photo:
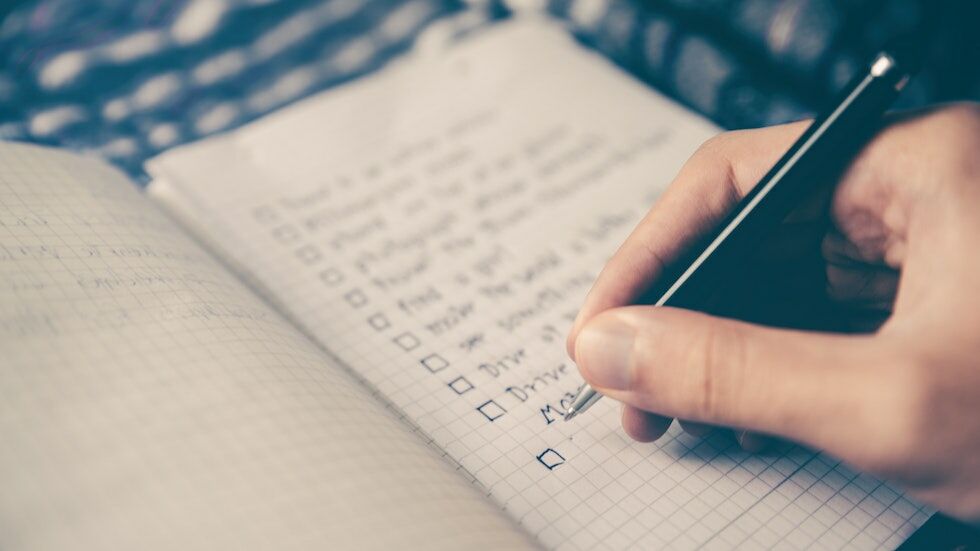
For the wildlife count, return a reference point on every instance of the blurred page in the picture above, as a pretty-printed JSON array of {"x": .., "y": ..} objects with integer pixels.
[
  {"x": 436, "y": 227},
  {"x": 148, "y": 400}
]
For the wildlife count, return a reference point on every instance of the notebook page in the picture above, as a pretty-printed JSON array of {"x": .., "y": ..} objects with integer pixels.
[
  {"x": 437, "y": 225},
  {"x": 149, "y": 401}
]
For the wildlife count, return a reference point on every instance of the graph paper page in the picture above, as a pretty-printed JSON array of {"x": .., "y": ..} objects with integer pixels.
[
  {"x": 437, "y": 225},
  {"x": 148, "y": 400}
]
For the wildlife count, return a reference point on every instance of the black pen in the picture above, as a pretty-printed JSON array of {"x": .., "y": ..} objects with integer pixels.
[{"x": 817, "y": 157}]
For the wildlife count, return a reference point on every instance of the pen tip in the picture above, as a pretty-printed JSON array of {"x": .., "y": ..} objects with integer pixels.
[{"x": 570, "y": 414}]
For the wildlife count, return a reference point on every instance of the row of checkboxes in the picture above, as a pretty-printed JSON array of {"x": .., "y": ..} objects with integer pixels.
[
  {"x": 434, "y": 363},
  {"x": 311, "y": 255},
  {"x": 356, "y": 298},
  {"x": 408, "y": 342}
]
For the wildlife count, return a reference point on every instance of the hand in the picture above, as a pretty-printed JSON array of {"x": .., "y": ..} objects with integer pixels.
[{"x": 898, "y": 242}]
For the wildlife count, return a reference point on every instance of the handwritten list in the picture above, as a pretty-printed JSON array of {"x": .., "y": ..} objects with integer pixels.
[{"x": 436, "y": 227}]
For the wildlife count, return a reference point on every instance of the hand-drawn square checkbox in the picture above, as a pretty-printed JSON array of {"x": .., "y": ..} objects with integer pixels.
[
  {"x": 434, "y": 363},
  {"x": 461, "y": 385},
  {"x": 407, "y": 341},
  {"x": 550, "y": 459},
  {"x": 356, "y": 298},
  {"x": 308, "y": 254},
  {"x": 331, "y": 276},
  {"x": 491, "y": 410},
  {"x": 285, "y": 234},
  {"x": 379, "y": 321}
]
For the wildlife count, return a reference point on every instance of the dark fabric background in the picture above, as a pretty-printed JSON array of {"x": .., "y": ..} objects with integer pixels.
[{"x": 125, "y": 79}]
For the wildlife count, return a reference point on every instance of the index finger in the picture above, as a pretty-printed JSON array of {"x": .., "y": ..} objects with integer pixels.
[{"x": 712, "y": 181}]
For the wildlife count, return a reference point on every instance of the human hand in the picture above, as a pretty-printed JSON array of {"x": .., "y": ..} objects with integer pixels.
[{"x": 898, "y": 243}]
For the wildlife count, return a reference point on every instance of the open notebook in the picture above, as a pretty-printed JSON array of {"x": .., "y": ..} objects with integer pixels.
[{"x": 354, "y": 338}]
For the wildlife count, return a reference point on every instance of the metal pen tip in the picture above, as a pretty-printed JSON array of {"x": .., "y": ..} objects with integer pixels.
[{"x": 583, "y": 400}]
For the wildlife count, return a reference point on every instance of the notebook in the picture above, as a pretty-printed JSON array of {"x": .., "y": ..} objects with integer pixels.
[{"x": 342, "y": 326}]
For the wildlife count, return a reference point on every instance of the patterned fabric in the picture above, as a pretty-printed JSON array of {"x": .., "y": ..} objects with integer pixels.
[{"x": 125, "y": 79}]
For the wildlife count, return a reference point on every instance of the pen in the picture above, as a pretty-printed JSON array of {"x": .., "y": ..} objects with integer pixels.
[{"x": 817, "y": 157}]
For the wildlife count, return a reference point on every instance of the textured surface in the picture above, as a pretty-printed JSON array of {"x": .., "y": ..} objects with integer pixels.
[
  {"x": 148, "y": 400},
  {"x": 126, "y": 79}
]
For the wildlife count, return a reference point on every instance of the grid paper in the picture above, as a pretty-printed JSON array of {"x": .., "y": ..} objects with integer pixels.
[
  {"x": 436, "y": 227},
  {"x": 148, "y": 400}
]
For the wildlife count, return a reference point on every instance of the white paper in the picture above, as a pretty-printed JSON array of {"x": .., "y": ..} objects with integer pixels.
[
  {"x": 436, "y": 227},
  {"x": 149, "y": 400}
]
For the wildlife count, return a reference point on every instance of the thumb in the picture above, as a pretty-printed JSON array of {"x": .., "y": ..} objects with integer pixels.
[{"x": 693, "y": 366}]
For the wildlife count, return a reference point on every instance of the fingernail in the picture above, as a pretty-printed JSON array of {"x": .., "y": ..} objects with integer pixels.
[{"x": 603, "y": 351}]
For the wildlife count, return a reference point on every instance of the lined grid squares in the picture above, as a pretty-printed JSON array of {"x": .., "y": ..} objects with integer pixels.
[
  {"x": 680, "y": 492},
  {"x": 407, "y": 342},
  {"x": 491, "y": 410},
  {"x": 434, "y": 363},
  {"x": 461, "y": 385},
  {"x": 379, "y": 322},
  {"x": 199, "y": 383}
]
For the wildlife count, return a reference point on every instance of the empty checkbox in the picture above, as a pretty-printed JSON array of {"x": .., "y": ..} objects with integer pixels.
[
  {"x": 407, "y": 341},
  {"x": 379, "y": 322},
  {"x": 285, "y": 234},
  {"x": 331, "y": 276},
  {"x": 550, "y": 458},
  {"x": 461, "y": 385},
  {"x": 491, "y": 410},
  {"x": 356, "y": 298},
  {"x": 308, "y": 254},
  {"x": 434, "y": 363}
]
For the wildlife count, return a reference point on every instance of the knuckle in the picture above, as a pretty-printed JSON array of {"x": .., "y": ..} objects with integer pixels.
[
  {"x": 650, "y": 350},
  {"x": 715, "y": 365},
  {"x": 713, "y": 161},
  {"x": 712, "y": 145},
  {"x": 713, "y": 150},
  {"x": 641, "y": 378}
]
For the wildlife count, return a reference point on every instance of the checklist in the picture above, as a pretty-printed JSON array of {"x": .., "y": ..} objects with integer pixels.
[{"x": 472, "y": 200}]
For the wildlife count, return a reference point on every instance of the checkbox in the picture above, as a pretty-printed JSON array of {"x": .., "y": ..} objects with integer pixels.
[
  {"x": 308, "y": 254},
  {"x": 461, "y": 385},
  {"x": 331, "y": 276},
  {"x": 407, "y": 341},
  {"x": 379, "y": 321},
  {"x": 285, "y": 234},
  {"x": 434, "y": 363},
  {"x": 551, "y": 459},
  {"x": 265, "y": 215},
  {"x": 491, "y": 410},
  {"x": 356, "y": 298}
]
